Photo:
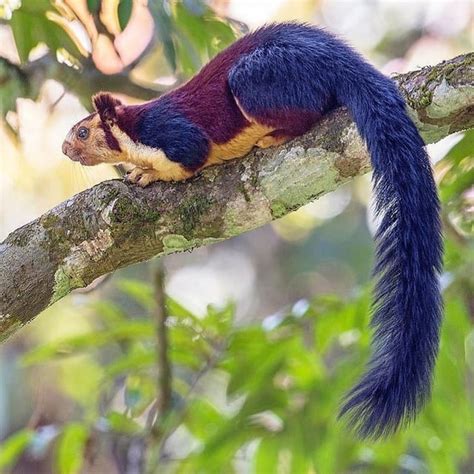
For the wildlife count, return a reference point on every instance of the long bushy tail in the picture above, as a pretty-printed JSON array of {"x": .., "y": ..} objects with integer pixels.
[{"x": 407, "y": 303}]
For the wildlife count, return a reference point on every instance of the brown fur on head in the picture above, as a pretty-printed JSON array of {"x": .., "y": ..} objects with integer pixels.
[{"x": 92, "y": 141}]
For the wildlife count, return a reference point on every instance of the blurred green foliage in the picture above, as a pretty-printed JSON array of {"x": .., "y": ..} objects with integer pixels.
[
  {"x": 187, "y": 34},
  {"x": 30, "y": 26},
  {"x": 190, "y": 30},
  {"x": 283, "y": 381},
  {"x": 457, "y": 178}
]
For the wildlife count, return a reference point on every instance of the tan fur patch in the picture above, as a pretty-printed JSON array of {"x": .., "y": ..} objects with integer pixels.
[
  {"x": 238, "y": 146},
  {"x": 269, "y": 140}
]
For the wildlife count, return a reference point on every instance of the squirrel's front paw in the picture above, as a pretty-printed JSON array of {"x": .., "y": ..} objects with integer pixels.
[{"x": 142, "y": 177}]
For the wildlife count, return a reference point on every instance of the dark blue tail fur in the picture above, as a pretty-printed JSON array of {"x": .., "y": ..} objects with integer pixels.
[
  {"x": 305, "y": 69},
  {"x": 407, "y": 304}
]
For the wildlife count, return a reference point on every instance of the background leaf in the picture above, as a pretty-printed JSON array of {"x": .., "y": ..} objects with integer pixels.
[
  {"x": 12, "y": 449},
  {"x": 71, "y": 447}
]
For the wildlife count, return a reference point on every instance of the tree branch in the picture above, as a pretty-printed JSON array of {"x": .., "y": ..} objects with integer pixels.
[
  {"x": 30, "y": 77},
  {"x": 115, "y": 224}
]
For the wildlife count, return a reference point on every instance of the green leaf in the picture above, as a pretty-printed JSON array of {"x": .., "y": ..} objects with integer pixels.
[
  {"x": 202, "y": 418},
  {"x": 35, "y": 7},
  {"x": 459, "y": 182},
  {"x": 251, "y": 352},
  {"x": 13, "y": 447},
  {"x": 110, "y": 313},
  {"x": 204, "y": 31},
  {"x": 164, "y": 31},
  {"x": 139, "y": 291},
  {"x": 176, "y": 309},
  {"x": 140, "y": 392},
  {"x": 462, "y": 149},
  {"x": 24, "y": 34},
  {"x": 469, "y": 350},
  {"x": 125, "y": 331},
  {"x": 266, "y": 457},
  {"x": 457, "y": 179},
  {"x": 134, "y": 361},
  {"x": 93, "y": 5},
  {"x": 81, "y": 379},
  {"x": 190, "y": 33},
  {"x": 70, "y": 448},
  {"x": 185, "y": 358},
  {"x": 13, "y": 86},
  {"x": 124, "y": 12},
  {"x": 31, "y": 27},
  {"x": 219, "y": 320},
  {"x": 122, "y": 424},
  {"x": 189, "y": 58}
]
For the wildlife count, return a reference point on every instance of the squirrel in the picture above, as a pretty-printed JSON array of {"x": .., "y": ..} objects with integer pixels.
[{"x": 266, "y": 88}]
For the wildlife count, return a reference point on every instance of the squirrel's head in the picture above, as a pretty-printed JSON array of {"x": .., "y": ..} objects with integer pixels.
[{"x": 93, "y": 140}]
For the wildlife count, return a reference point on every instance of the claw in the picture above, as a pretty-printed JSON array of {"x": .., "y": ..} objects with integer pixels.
[{"x": 142, "y": 177}]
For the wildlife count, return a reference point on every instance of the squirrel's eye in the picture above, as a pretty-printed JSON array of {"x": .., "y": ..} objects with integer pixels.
[{"x": 83, "y": 133}]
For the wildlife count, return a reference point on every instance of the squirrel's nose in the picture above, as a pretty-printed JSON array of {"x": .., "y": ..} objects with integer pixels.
[{"x": 65, "y": 147}]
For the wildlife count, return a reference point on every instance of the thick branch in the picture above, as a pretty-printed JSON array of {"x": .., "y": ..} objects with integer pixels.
[{"x": 114, "y": 224}]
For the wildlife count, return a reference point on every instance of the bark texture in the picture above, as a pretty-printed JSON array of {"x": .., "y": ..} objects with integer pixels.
[{"x": 115, "y": 224}]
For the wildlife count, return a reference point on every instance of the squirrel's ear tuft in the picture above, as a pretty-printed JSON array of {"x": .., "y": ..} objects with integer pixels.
[{"x": 105, "y": 105}]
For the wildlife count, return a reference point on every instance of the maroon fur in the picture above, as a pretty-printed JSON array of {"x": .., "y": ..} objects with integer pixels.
[
  {"x": 291, "y": 123},
  {"x": 106, "y": 105},
  {"x": 128, "y": 116},
  {"x": 207, "y": 100},
  {"x": 110, "y": 139}
]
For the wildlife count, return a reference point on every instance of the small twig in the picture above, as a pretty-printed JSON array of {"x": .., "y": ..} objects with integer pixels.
[
  {"x": 164, "y": 382},
  {"x": 181, "y": 413},
  {"x": 164, "y": 364},
  {"x": 57, "y": 101}
]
